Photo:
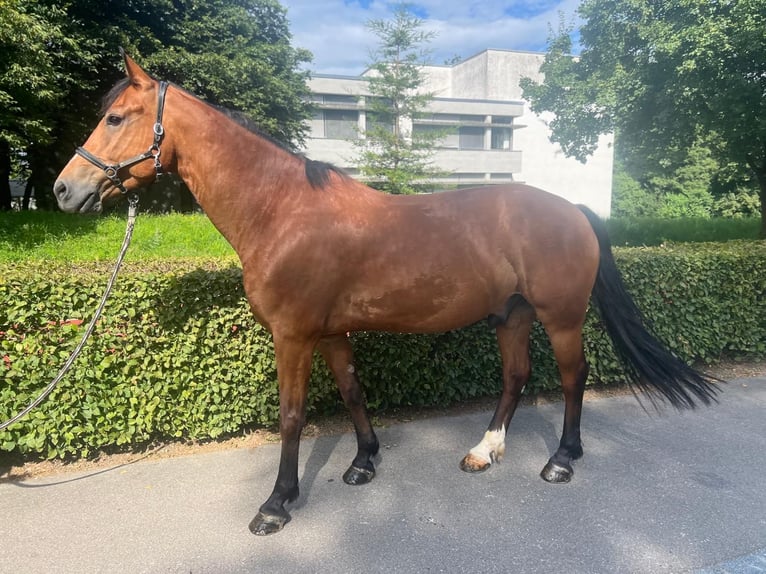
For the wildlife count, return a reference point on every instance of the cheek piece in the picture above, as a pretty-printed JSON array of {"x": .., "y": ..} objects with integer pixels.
[{"x": 112, "y": 170}]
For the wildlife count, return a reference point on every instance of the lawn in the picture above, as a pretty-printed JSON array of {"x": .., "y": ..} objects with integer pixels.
[{"x": 63, "y": 237}]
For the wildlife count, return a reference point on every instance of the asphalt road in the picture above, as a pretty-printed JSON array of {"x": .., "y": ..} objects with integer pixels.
[{"x": 675, "y": 492}]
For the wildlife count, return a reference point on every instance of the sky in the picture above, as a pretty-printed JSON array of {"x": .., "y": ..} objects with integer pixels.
[{"x": 334, "y": 30}]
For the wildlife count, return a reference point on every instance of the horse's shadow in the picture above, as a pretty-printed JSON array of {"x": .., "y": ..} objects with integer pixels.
[
  {"x": 529, "y": 423},
  {"x": 26, "y": 230},
  {"x": 321, "y": 452},
  {"x": 198, "y": 292}
]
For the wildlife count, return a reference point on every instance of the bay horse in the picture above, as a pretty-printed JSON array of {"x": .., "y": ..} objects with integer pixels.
[{"x": 324, "y": 255}]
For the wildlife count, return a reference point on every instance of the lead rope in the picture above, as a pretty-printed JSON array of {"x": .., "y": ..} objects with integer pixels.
[{"x": 132, "y": 213}]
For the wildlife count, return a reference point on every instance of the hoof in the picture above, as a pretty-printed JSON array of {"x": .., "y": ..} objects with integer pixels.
[
  {"x": 356, "y": 476},
  {"x": 557, "y": 473},
  {"x": 472, "y": 463},
  {"x": 264, "y": 524}
]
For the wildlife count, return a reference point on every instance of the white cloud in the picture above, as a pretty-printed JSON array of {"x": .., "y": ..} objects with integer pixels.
[{"x": 335, "y": 32}]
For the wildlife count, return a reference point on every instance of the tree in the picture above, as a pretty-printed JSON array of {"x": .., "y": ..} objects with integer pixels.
[
  {"x": 237, "y": 54},
  {"x": 393, "y": 155},
  {"x": 629, "y": 197},
  {"x": 661, "y": 75},
  {"x": 681, "y": 183},
  {"x": 735, "y": 192},
  {"x": 58, "y": 59},
  {"x": 34, "y": 81}
]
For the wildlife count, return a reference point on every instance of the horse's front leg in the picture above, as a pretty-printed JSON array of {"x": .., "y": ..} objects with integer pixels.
[
  {"x": 339, "y": 357},
  {"x": 293, "y": 369}
]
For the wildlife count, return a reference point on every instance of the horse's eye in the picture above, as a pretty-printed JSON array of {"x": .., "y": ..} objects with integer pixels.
[{"x": 113, "y": 120}]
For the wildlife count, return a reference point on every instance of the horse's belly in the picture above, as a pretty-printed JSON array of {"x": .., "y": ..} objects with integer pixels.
[{"x": 420, "y": 308}]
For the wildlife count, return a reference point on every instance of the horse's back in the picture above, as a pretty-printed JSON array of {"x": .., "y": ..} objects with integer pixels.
[
  {"x": 435, "y": 262},
  {"x": 517, "y": 219}
]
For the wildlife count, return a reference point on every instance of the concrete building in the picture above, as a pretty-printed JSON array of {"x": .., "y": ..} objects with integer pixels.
[{"x": 493, "y": 137}]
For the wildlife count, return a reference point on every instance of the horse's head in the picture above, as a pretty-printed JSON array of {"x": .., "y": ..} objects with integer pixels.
[{"x": 123, "y": 152}]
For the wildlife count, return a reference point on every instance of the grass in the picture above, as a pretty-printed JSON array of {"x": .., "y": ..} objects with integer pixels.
[
  {"x": 35, "y": 235},
  {"x": 63, "y": 237}
]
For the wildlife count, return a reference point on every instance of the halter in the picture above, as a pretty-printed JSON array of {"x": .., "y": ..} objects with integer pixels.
[{"x": 111, "y": 170}]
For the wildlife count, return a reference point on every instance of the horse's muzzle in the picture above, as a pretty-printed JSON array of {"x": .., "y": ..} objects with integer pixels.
[{"x": 70, "y": 201}]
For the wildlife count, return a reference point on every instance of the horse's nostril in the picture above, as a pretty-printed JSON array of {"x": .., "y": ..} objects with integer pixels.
[{"x": 59, "y": 189}]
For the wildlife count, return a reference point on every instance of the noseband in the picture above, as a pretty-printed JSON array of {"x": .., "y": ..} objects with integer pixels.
[{"x": 112, "y": 170}]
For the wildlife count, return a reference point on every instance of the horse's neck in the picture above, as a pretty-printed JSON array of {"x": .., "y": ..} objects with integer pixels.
[{"x": 231, "y": 171}]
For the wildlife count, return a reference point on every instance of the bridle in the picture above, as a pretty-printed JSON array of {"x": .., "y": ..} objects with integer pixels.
[{"x": 112, "y": 170}]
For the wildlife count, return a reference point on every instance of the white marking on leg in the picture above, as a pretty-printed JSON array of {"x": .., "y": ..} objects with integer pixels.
[{"x": 491, "y": 447}]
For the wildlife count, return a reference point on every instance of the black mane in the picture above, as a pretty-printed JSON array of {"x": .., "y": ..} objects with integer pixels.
[{"x": 317, "y": 172}]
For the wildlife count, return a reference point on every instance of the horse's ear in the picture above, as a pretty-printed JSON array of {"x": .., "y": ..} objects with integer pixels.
[{"x": 138, "y": 77}]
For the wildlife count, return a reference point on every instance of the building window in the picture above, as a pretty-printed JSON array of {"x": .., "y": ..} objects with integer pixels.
[
  {"x": 341, "y": 124},
  {"x": 502, "y": 138},
  {"x": 334, "y": 99},
  {"x": 447, "y": 135},
  {"x": 467, "y": 137},
  {"x": 471, "y": 137},
  {"x": 375, "y": 121},
  {"x": 439, "y": 118}
]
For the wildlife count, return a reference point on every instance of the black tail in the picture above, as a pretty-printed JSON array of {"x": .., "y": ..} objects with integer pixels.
[{"x": 647, "y": 363}]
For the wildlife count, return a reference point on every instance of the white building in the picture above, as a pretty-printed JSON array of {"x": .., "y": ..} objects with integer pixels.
[{"x": 494, "y": 137}]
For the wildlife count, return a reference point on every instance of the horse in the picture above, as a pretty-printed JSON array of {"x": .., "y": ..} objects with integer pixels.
[{"x": 324, "y": 255}]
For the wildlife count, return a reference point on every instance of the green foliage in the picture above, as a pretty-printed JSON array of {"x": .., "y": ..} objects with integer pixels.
[
  {"x": 653, "y": 231},
  {"x": 688, "y": 183},
  {"x": 177, "y": 353},
  {"x": 161, "y": 364},
  {"x": 661, "y": 75},
  {"x": 396, "y": 158},
  {"x": 577, "y": 125},
  {"x": 34, "y": 79},
  {"x": 40, "y": 53},
  {"x": 737, "y": 204},
  {"x": 237, "y": 54},
  {"x": 685, "y": 191},
  {"x": 735, "y": 192},
  {"x": 58, "y": 59},
  {"x": 629, "y": 197}
]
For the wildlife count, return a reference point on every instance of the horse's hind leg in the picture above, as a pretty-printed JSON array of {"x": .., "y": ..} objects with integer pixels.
[
  {"x": 339, "y": 356},
  {"x": 568, "y": 350},
  {"x": 513, "y": 339}
]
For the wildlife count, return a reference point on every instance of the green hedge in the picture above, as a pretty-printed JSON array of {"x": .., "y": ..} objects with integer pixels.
[
  {"x": 645, "y": 231},
  {"x": 177, "y": 353}
]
